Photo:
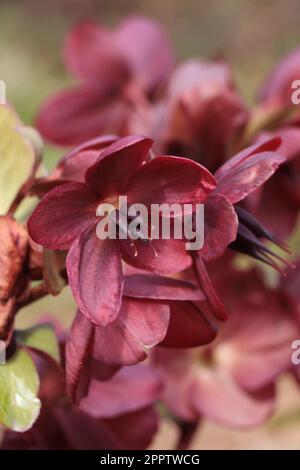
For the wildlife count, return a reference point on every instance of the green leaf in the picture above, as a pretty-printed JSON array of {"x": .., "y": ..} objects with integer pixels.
[
  {"x": 19, "y": 384},
  {"x": 41, "y": 337},
  {"x": 17, "y": 158}
]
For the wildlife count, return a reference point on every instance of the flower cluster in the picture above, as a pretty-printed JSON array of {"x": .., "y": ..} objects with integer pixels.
[{"x": 202, "y": 332}]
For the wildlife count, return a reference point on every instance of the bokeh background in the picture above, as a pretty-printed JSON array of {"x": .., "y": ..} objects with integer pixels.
[{"x": 251, "y": 34}]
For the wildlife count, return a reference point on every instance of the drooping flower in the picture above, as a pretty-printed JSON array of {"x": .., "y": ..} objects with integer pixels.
[
  {"x": 155, "y": 310},
  {"x": 119, "y": 70},
  {"x": 66, "y": 219},
  {"x": 201, "y": 114},
  {"x": 232, "y": 381}
]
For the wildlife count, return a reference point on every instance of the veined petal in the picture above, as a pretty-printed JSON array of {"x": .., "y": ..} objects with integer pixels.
[
  {"x": 62, "y": 215},
  {"x": 95, "y": 277}
]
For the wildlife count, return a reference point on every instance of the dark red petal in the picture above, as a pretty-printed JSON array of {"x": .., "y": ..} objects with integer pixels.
[
  {"x": 158, "y": 257},
  {"x": 75, "y": 163},
  {"x": 77, "y": 114},
  {"x": 131, "y": 389},
  {"x": 205, "y": 283},
  {"x": 95, "y": 277},
  {"x": 110, "y": 174},
  {"x": 248, "y": 170},
  {"x": 78, "y": 349},
  {"x": 147, "y": 49},
  {"x": 62, "y": 215},
  {"x": 220, "y": 227},
  {"x": 91, "y": 53},
  {"x": 188, "y": 327},
  {"x": 140, "y": 325},
  {"x": 171, "y": 180},
  {"x": 147, "y": 286},
  {"x": 216, "y": 396}
]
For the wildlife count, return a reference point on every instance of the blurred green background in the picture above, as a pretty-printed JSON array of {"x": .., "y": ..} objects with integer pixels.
[{"x": 252, "y": 34}]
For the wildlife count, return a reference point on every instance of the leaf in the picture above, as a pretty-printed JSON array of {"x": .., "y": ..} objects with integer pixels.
[
  {"x": 17, "y": 158},
  {"x": 19, "y": 384},
  {"x": 40, "y": 337}
]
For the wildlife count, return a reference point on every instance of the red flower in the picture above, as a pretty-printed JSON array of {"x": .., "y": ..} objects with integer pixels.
[
  {"x": 232, "y": 381},
  {"x": 201, "y": 116},
  {"x": 155, "y": 310},
  {"x": 66, "y": 219},
  {"x": 117, "y": 69}
]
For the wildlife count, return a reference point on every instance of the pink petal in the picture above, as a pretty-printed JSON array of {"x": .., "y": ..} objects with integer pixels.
[
  {"x": 110, "y": 174},
  {"x": 77, "y": 114},
  {"x": 91, "y": 53},
  {"x": 188, "y": 327},
  {"x": 140, "y": 325},
  {"x": 95, "y": 277},
  {"x": 216, "y": 396},
  {"x": 158, "y": 256},
  {"x": 147, "y": 286},
  {"x": 171, "y": 180},
  {"x": 62, "y": 215},
  {"x": 148, "y": 50},
  {"x": 207, "y": 287},
  {"x": 221, "y": 224},
  {"x": 131, "y": 389},
  {"x": 248, "y": 170}
]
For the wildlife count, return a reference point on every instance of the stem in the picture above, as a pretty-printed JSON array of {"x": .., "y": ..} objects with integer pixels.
[{"x": 34, "y": 294}]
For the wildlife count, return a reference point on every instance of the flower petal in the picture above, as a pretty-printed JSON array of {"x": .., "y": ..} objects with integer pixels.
[
  {"x": 147, "y": 49},
  {"x": 95, "y": 277},
  {"x": 131, "y": 389},
  {"x": 220, "y": 227},
  {"x": 171, "y": 180},
  {"x": 110, "y": 174},
  {"x": 248, "y": 170},
  {"x": 141, "y": 324},
  {"x": 92, "y": 54},
  {"x": 188, "y": 327},
  {"x": 62, "y": 215},
  {"x": 147, "y": 286}
]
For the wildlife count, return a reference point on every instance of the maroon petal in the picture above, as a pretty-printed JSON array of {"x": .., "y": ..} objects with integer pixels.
[
  {"x": 158, "y": 256},
  {"x": 171, "y": 180},
  {"x": 95, "y": 277},
  {"x": 74, "y": 164},
  {"x": 62, "y": 215},
  {"x": 212, "y": 297},
  {"x": 188, "y": 327},
  {"x": 147, "y": 49},
  {"x": 77, "y": 114},
  {"x": 78, "y": 349},
  {"x": 216, "y": 396},
  {"x": 110, "y": 174},
  {"x": 248, "y": 170},
  {"x": 92, "y": 54},
  {"x": 220, "y": 228},
  {"x": 131, "y": 389},
  {"x": 147, "y": 286},
  {"x": 140, "y": 325}
]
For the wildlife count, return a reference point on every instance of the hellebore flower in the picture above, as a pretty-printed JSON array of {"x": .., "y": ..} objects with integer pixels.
[
  {"x": 117, "y": 69},
  {"x": 155, "y": 310},
  {"x": 66, "y": 219},
  {"x": 202, "y": 116},
  {"x": 118, "y": 414},
  {"x": 232, "y": 381}
]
